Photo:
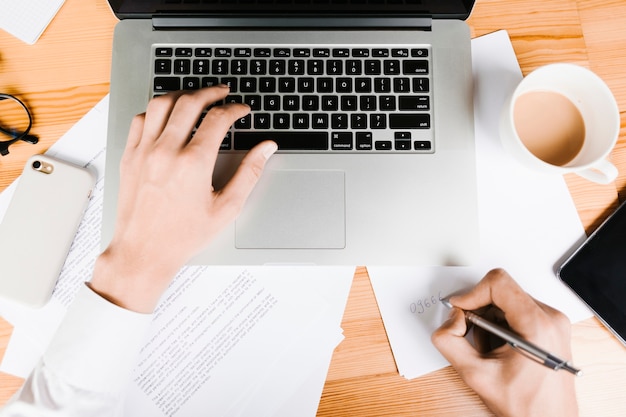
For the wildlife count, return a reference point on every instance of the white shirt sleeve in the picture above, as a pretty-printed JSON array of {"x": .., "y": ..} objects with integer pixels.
[{"x": 86, "y": 368}]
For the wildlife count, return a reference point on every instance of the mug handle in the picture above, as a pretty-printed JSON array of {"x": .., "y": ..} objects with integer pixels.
[{"x": 603, "y": 172}]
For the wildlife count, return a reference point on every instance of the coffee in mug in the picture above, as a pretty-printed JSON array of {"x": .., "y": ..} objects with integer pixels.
[{"x": 562, "y": 118}]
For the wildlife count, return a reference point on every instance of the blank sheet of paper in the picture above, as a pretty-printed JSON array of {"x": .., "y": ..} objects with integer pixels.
[
  {"x": 27, "y": 19},
  {"x": 528, "y": 222}
]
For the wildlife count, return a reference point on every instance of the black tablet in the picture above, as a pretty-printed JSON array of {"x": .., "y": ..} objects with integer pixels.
[{"x": 596, "y": 272}]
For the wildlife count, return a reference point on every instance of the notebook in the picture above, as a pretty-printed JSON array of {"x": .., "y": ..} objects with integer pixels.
[{"x": 370, "y": 102}]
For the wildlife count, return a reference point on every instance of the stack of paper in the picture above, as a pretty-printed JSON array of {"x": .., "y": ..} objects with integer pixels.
[
  {"x": 528, "y": 223},
  {"x": 235, "y": 341}
]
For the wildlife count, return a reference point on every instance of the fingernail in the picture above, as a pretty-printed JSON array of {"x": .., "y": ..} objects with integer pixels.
[
  {"x": 223, "y": 86},
  {"x": 269, "y": 149}
]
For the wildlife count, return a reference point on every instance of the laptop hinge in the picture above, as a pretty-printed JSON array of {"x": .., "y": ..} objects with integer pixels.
[{"x": 164, "y": 22}]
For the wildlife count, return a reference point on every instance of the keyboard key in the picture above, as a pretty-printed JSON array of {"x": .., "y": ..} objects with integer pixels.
[
  {"x": 301, "y": 52},
  {"x": 306, "y": 85},
  {"x": 262, "y": 52},
  {"x": 391, "y": 66},
  {"x": 402, "y": 145},
  {"x": 183, "y": 52},
  {"x": 219, "y": 67},
  {"x": 367, "y": 103},
  {"x": 422, "y": 145},
  {"x": 165, "y": 84},
  {"x": 360, "y": 53},
  {"x": 209, "y": 81},
  {"x": 191, "y": 83},
  {"x": 243, "y": 52},
  {"x": 262, "y": 121},
  {"x": 315, "y": 67},
  {"x": 330, "y": 103},
  {"x": 163, "y": 52},
  {"x": 344, "y": 85},
  {"x": 363, "y": 85},
  {"x": 271, "y": 103},
  {"x": 339, "y": 121},
  {"x": 324, "y": 85},
  {"x": 401, "y": 85},
  {"x": 414, "y": 103},
  {"x": 341, "y": 141},
  {"x": 419, "y": 53},
  {"x": 248, "y": 85},
  {"x": 182, "y": 66},
  {"x": 421, "y": 85},
  {"x": 341, "y": 52},
  {"x": 294, "y": 140},
  {"x": 203, "y": 52},
  {"x": 295, "y": 67},
  {"x": 349, "y": 103},
  {"x": 378, "y": 121},
  {"x": 409, "y": 121},
  {"x": 254, "y": 101},
  {"x": 291, "y": 103},
  {"x": 287, "y": 85},
  {"x": 281, "y": 121},
  {"x": 201, "y": 66},
  {"x": 239, "y": 67},
  {"x": 162, "y": 66},
  {"x": 411, "y": 67},
  {"x": 380, "y": 53},
  {"x": 400, "y": 53},
  {"x": 244, "y": 123},
  {"x": 310, "y": 103},
  {"x": 334, "y": 67},
  {"x": 358, "y": 121},
  {"x": 301, "y": 121},
  {"x": 321, "y": 52},
  {"x": 223, "y": 52},
  {"x": 373, "y": 67},
  {"x": 320, "y": 121},
  {"x": 278, "y": 67},
  {"x": 282, "y": 52},
  {"x": 258, "y": 67},
  {"x": 383, "y": 145},
  {"x": 388, "y": 102},
  {"x": 364, "y": 141},
  {"x": 354, "y": 67},
  {"x": 267, "y": 85}
]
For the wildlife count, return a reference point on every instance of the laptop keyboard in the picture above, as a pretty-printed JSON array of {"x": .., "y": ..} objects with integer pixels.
[{"x": 341, "y": 99}]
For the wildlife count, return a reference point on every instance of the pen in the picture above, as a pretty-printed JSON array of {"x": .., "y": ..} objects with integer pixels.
[{"x": 519, "y": 344}]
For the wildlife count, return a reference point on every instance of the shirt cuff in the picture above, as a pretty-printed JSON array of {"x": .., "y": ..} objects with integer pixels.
[{"x": 97, "y": 344}]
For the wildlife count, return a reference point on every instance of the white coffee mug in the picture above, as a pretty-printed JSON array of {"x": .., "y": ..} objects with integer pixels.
[{"x": 562, "y": 118}]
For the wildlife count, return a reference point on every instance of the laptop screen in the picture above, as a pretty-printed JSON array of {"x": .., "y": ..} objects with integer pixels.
[{"x": 448, "y": 9}]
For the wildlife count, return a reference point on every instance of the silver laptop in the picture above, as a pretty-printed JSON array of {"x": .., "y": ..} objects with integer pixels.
[{"x": 370, "y": 102}]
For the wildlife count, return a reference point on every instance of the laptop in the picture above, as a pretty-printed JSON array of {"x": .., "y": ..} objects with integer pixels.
[{"x": 370, "y": 102}]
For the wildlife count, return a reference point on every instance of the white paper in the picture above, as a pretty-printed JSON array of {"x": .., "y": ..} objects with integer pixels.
[
  {"x": 528, "y": 223},
  {"x": 278, "y": 368},
  {"x": 208, "y": 311},
  {"x": 27, "y": 19}
]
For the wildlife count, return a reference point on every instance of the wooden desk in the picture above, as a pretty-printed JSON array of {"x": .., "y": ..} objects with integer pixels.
[{"x": 67, "y": 72}]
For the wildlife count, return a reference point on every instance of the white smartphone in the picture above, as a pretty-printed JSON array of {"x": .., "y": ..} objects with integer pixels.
[{"x": 39, "y": 226}]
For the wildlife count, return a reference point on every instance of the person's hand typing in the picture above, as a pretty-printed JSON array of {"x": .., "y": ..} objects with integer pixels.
[
  {"x": 168, "y": 209},
  {"x": 509, "y": 383}
]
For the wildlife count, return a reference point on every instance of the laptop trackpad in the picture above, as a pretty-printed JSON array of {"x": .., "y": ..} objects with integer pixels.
[{"x": 295, "y": 210}]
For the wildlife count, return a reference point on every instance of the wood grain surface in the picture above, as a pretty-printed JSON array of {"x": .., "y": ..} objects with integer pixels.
[{"x": 67, "y": 72}]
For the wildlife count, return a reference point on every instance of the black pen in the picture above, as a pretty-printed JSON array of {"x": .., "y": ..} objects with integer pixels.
[{"x": 523, "y": 346}]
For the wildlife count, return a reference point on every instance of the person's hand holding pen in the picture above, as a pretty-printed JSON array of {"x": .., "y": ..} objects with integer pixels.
[{"x": 509, "y": 383}]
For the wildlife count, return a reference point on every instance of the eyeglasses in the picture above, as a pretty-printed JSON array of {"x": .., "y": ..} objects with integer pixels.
[{"x": 15, "y": 122}]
